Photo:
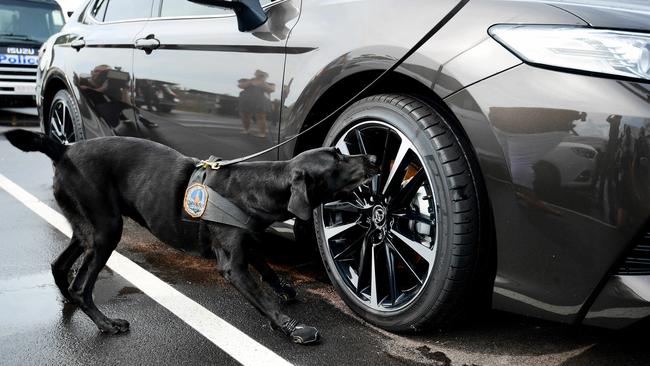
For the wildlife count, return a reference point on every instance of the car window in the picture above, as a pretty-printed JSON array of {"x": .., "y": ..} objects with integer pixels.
[
  {"x": 116, "y": 10},
  {"x": 99, "y": 9},
  {"x": 181, "y": 8},
  {"x": 29, "y": 21}
]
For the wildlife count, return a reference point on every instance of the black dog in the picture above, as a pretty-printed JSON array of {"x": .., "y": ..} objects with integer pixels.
[{"x": 97, "y": 182}]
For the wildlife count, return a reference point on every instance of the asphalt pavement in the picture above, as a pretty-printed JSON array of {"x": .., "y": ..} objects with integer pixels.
[
  {"x": 39, "y": 329},
  {"x": 22, "y": 117}
]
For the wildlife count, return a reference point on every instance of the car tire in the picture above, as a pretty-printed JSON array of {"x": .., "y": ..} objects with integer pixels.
[
  {"x": 439, "y": 251},
  {"x": 65, "y": 123}
]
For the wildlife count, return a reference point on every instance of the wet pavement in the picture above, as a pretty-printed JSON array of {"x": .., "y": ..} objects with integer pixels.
[
  {"x": 39, "y": 329},
  {"x": 22, "y": 117}
]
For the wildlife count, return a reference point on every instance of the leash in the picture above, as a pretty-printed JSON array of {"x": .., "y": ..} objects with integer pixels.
[{"x": 214, "y": 165}]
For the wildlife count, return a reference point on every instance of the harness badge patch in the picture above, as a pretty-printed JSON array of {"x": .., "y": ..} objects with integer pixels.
[{"x": 196, "y": 199}]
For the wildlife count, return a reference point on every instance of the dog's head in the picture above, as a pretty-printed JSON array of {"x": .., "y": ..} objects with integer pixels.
[{"x": 318, "y": 175}]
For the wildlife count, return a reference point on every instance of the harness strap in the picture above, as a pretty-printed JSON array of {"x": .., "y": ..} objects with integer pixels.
[{"x": 220, "y": 209}]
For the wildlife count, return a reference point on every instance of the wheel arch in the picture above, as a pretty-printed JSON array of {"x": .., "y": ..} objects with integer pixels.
[
  {"x": 345, "y": 89},
  {"x": 55, "y": 83}
]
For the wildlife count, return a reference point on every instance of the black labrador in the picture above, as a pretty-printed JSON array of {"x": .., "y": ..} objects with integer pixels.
[{"x": 97, "y": 182}]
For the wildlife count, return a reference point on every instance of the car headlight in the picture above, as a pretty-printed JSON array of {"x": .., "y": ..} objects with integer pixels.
[{"x": 582, "y": 49}]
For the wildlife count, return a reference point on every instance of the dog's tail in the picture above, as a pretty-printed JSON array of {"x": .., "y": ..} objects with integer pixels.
[{"x": 36, "y": 141}]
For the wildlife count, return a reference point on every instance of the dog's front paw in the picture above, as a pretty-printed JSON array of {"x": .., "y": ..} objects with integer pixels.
[
  {"x": 121, "y": 324},
  {"x": 114, "y": 326},
  {"x": 304, "y": 334},
  {"x": 300, "y": 333}
]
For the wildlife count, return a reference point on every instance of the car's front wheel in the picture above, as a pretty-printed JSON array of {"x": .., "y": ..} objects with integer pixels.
[
  {"x": 65, "y": 123},
  {"x": 402, "y": 250}
]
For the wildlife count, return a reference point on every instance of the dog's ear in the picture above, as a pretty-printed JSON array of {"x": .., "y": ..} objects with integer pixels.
[{"x": 299, "y": 202}]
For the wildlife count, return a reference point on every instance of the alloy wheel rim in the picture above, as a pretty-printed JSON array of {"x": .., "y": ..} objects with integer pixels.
[
  {"x": 61, "y": 127},
  {"x": 382, "y": 238}
]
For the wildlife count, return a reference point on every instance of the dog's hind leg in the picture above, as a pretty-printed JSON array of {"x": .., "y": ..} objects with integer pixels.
[
  {"x": 232, "y": 265},
  {"x": 282, "y": 288},
  {"x": 108, "y": 232},
  {"x": 61, "y": 266}
]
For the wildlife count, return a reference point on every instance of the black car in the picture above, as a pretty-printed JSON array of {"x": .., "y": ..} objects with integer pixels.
[
  {"x": 513, "y": 139},
  {"x": 24, "y": 26}
]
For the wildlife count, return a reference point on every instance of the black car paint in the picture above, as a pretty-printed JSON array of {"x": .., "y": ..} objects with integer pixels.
[
  {"x": 556, "y": 242},
  {"x": 208, "y": 72}
]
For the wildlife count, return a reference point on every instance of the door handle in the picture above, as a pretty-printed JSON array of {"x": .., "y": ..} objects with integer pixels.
[
  {"x": 78, "y": 44},
  {"x": 147, "y": 44}
]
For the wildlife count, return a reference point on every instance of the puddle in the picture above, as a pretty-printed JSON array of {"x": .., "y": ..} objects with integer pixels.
[
  {"x": 27, "y": 302},
  {"x": 29, "y": 281}
]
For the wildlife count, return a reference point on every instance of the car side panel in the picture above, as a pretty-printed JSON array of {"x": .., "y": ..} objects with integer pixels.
[
  {"x": 372, "y": 35},
  {"x": 210, "y": 89},
  {"x": 99, "y": 74},
  {"x": 102, "y": 76},
  {"x": 347, "y": 37}
]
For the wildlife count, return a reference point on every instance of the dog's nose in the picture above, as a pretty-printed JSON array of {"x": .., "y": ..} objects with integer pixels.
[{"x": 371, "y": 159}]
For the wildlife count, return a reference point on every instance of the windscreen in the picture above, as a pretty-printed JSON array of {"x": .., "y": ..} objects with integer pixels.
[{"x": 28, "y": 22}]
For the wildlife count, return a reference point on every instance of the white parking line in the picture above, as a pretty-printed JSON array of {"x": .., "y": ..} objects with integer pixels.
[{"x": 237, "y": 344}]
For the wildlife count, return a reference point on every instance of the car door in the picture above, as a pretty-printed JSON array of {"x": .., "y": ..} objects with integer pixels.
[
  {"x": 204, "y": 88},
  {"x": 101, "y": 62}
]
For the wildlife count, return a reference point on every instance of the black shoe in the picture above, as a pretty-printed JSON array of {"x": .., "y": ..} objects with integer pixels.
[{"x": 300, "y": 333}]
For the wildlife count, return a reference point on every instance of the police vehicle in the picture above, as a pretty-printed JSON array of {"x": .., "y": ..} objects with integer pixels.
[{"x": 24, "y": 26}]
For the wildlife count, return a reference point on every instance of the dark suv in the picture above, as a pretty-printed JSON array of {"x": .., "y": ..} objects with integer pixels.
[{"x": 513, "y": 141}]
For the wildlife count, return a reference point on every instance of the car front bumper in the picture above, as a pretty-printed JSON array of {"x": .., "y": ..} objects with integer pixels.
[
  {"x": 623, "y": 301},
  {"x": 536, "y": 132}
]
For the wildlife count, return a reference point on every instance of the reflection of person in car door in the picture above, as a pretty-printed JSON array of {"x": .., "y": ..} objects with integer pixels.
[
  {"x": 528, "y": 134},
  {"x": 148, "y": 91},
  {"x": 641, "y": 167},
  {"x": 255, "y": 101},
  {"x": 107, "y": 89},
  {"x": 624, "y": 184},
  {"x": 606, "y": 177}
]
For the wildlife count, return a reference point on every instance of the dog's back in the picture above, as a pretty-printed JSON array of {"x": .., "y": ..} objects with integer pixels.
[
  {"x": 124, "y": 176},
  {"x": 145, "y": 179}
]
